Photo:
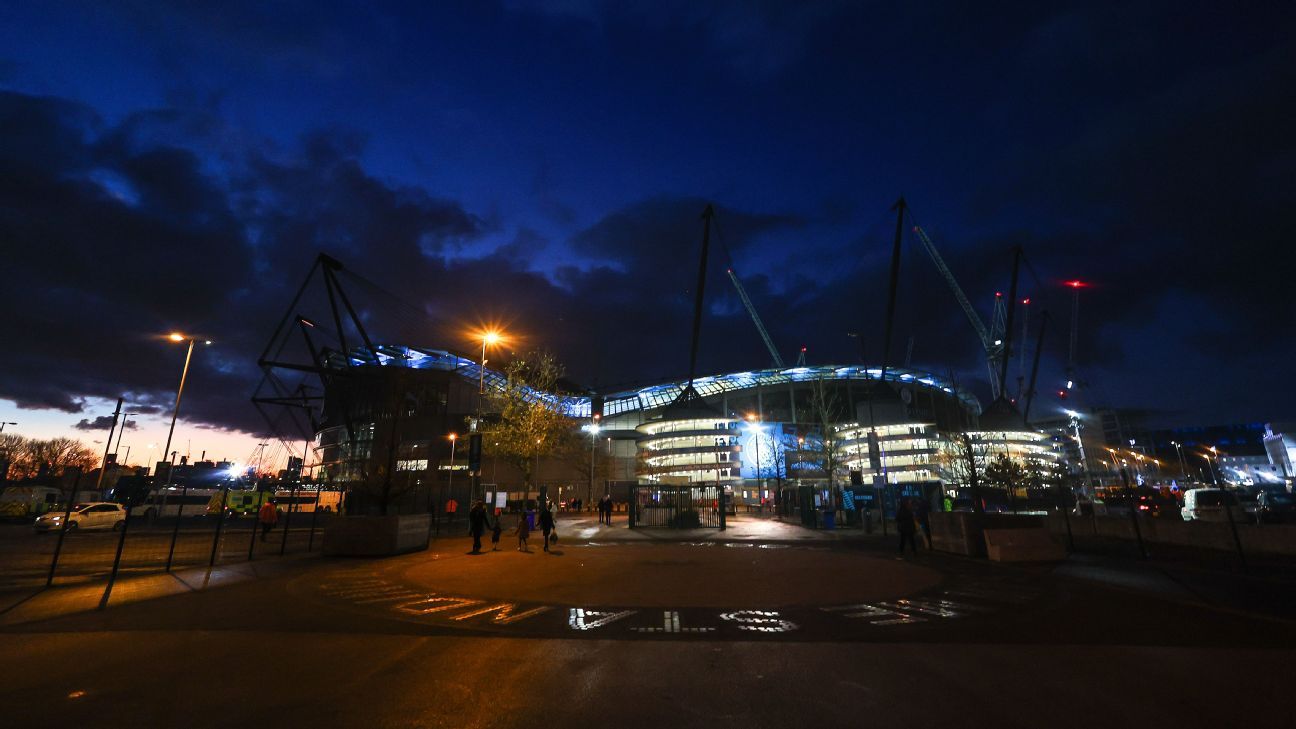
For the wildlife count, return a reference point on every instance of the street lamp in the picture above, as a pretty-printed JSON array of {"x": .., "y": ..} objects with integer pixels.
[
  {"x": 754, "y": 425},
  {"x": 489, "y": 338},
  {"x": 535, "y": 475},
  {"x": 1211, "y": 466},
  {"x": 1183, "y": 467},
  {"x": 184, "y": 373},
  {"x": 454, "y": 437},
  {"x": 125, "y": 421},
  {"x": 593, "y": 429},
  {"x": 800, "y": 468}
]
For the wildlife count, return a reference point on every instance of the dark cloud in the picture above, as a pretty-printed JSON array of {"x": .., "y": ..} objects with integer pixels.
[
  {"x": 116, "y": 239},
  {"x": 103, "y": 422},
  {"x": 1141, "y": 146}
]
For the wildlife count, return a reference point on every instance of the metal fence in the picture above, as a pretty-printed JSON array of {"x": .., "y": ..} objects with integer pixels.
[
  {"x": 69, "y": 547},
  {"x": 677, "y": 507}
]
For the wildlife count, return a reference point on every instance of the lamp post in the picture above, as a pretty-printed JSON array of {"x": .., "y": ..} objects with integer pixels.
[
  {"x": 1228, "y": 507},
  {"x": 1211, "y": 467},
  {"x": 593, "y": 429},
  {"x": 454, "y": 438},
  {"x": 184, "y": 373},
  {"x": 1183, "y": 467},
  {"x": 800, "y": 447},
  {"x": 490, "y": 337},
  {"x": 535, "y": 474},
  {"x": 755, "y": 426},
  {"x": 125, "y": 423}
]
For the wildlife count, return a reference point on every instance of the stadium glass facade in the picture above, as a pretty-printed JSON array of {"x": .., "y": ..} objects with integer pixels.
[{"x": 760, "y": 429}]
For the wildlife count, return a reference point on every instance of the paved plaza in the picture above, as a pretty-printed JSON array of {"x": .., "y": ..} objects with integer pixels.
[{"x": 613, "y": 628}]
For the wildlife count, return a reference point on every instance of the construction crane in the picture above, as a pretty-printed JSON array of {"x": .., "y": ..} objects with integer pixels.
[
  {"x": 991, "y": 341},
  {"x": 760, "y": 326}
]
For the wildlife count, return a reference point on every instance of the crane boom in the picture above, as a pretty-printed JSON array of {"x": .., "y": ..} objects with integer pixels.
[
  {"x": 977, "y": 324},
  {"x": 760, "y": 326},
  {"x": 991, "y": 340}
]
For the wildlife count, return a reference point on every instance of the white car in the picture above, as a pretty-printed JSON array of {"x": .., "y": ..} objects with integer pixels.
[
  {"x": 1208, "y": 505},
  {"x": 94, "y": 515}
]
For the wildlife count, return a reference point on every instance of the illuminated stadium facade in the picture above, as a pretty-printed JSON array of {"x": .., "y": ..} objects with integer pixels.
[
  {"x": 756, "y": 430},
  {"x": 690, "y": 450}
]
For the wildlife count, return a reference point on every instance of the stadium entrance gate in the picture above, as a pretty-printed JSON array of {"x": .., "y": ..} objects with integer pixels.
[{"x": 676, "y": 507}]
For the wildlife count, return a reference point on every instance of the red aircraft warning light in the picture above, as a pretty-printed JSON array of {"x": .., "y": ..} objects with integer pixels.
[{"x": 1077, "y": 284}]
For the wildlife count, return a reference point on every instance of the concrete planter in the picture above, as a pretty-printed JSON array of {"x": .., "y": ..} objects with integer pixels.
[
  {"x": 376, "y": 536},
  {"x": 963, "y": 532},
  {"x": 1278, "y": 539}
]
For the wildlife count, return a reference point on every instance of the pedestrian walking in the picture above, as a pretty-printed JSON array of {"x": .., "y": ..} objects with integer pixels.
[
  {"x": 523, "y": 531},
  {"x": 268, "y": 516},
  {"x": 477, "y": 524},
  {"x": 923, "y": 516},
  {"x": 905, "y": 525},
  {"x": 547, "y": 524}
]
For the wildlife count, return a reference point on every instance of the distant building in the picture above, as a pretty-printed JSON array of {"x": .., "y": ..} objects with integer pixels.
[
  {"x": 1280, "y": 446},
  {"x": 1249, "y": 470}
]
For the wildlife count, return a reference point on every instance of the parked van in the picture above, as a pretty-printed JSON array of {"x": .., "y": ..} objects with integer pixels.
[
  {"x": 1208, "y": 505},
  {"x": 28, "y": 502}
]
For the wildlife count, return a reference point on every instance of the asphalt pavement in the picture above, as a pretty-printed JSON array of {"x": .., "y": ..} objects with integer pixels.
[{"x": 635, "y": 631}]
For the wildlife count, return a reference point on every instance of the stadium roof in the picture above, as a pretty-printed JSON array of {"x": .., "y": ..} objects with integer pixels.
[{"x": 657, "y": 396}]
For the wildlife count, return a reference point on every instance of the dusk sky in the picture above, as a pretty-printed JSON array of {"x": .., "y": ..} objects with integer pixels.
[{"x": 543, "y": 165}]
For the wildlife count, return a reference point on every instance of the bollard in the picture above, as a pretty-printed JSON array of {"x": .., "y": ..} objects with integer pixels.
[
  {"x": 1237, "y": 539},
  {"x": 220, "y": 521},
  {"x": 310, "y": 542},
  {"x": 121, "y": 543},
  {"x": 184, "y": 491},
  {"x": 292, "y": 504},
  {"x": 58, "y": 548},
  {"x": 256, "y": 522}
]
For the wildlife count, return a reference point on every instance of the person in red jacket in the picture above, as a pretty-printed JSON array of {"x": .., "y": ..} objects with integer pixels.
[{"x": 267, "y": 516}]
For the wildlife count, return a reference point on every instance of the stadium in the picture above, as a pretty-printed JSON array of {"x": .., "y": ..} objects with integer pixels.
[{"x": 752, "y": 433}]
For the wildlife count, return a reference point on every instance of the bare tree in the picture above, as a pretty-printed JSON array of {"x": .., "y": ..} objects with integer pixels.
[
  {"x": 962, "y": 461},
  {"x": 27, "y": 455},
  {"x": 579, "y": 451},
  {"x": 11, "y": 447},
  {"x": 827, "y": 411}
]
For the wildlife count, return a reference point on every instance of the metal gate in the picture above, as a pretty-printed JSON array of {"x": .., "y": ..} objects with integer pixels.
[{"x": 676, "y": 507}]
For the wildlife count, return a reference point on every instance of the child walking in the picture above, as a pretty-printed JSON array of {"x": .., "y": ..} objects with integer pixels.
[
  {"x": 522, "y": 533},
  {"x": 495, "y": 533}
]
